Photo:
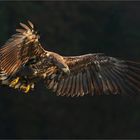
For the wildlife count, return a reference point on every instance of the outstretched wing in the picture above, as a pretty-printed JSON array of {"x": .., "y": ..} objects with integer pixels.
[
  {"x": 95, "y": 74},
  {"x": 19, "y": 49}
]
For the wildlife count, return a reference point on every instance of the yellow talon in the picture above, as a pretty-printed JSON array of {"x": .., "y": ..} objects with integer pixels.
[
  {"x": 14, "y": 82},
  {"x": 25, "y": 88}
]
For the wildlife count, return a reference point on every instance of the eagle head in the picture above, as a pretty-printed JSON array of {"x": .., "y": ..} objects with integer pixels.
[{"x": 57, "y": 60}]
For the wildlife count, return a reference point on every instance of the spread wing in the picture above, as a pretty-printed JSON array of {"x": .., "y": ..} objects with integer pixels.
[
  {"x": 95, "y": 74},
  {"x": 19, "y": 49}
]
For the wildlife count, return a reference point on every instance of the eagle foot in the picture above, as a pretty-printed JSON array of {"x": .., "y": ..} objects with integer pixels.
[
  {"x": 14, "y": 82},
  {"x": 26, "y": 88}
]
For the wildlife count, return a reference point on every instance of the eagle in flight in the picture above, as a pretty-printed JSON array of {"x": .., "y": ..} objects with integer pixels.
[{"x": 24, "y": 62}]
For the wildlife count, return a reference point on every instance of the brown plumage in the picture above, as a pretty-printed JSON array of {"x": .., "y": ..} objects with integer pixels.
[{"x": 23, "y": 56}]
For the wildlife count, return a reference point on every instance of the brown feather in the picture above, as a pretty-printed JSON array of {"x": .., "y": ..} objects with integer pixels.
[
  {"x": 97, "y": 81},
  {"x": 77, "y": 90},
  {"x": 61, "y": 84},
  {"x": 90, "y": 85},
  {"x": 55, "y": 87},
  {"x": 63, "y": 90},
  {"x": 69, "y": 85},
  {"x": 112, "y": 86},
  {"x": 85, "y": 86},
  {"x": 51, "y": 84},
  {"x": 25, "y": 26},
  {"x": 31, "y": 24},
  {"x": 20, "y": 30},
  {"x": 81, "y": 85},
  {"x": 119, "y": 80},
  {"x": 73, "y": 87}
]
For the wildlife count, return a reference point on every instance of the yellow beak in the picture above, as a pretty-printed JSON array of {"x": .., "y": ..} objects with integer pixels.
[{"x": 66, "y": 70}]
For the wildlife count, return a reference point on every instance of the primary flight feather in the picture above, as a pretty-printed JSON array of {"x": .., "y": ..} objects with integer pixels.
[{"x": 23, "y": 62}]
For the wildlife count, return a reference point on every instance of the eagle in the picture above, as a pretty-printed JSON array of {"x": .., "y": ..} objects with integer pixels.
[{"x": 24, "y": 62}]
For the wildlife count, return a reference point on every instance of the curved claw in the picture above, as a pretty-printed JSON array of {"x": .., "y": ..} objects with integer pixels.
[
  {"x": 14, "y": 82},
  {"x": 25, "y": 88}
]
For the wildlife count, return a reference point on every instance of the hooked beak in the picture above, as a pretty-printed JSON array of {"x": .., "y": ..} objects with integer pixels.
[{"x": 66, "y": 70}]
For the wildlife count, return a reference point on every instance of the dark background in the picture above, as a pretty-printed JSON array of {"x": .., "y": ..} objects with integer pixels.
[{"x": 73, "y": 28}]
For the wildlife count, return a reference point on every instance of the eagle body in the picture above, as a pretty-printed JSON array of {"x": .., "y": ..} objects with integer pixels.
[{"x": 24, "y": 62}]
